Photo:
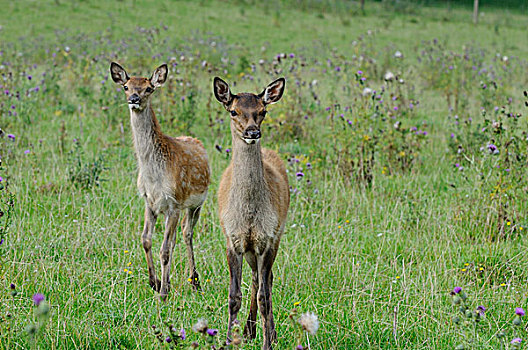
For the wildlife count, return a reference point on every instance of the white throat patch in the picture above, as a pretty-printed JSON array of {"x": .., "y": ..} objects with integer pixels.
[{"x": 251, "y": 141}]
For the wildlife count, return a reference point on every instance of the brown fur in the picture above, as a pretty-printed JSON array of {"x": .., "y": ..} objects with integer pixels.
[
  {"x": 253, "y": 201},
  {"x": 173, "y": 175}
]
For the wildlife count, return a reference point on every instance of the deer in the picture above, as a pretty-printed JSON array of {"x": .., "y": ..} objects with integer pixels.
[
  {"x": 253, "y": 201},
  {"x": 173, "y": 176}
]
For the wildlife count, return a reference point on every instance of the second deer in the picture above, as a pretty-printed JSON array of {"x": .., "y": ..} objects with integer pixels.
[
  {"x": 253, "y": 201},
  {"x": 173, "y": 175}
]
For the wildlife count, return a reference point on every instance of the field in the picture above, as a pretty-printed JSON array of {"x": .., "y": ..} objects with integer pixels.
[{"x": 404, "y": 133}]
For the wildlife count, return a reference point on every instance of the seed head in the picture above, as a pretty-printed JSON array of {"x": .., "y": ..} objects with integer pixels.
[{"x": 309, "y": 322}]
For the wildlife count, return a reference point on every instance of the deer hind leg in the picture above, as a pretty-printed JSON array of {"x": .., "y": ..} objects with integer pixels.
[
  {"x": 234, "y": 260},
  {"x": 265, "y": 263},
  {"x": 250, "y": 329},
  {"x": 189, "y": 221},
  {"x": 167, "y": 248},
  {"x": 146, "y": 238}
]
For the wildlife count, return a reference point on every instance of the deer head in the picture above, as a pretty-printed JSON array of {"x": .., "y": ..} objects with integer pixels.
[
  {"x": 247, "y": 110},
  {"x": 138, "y": 90}
]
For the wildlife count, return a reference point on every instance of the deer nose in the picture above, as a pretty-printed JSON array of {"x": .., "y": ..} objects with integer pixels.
[
  {"x": 134, "y": 99},
  {"x": 252, "y": 134}
]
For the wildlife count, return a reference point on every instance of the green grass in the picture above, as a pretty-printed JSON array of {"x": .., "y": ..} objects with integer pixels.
[{"x": 375, "y": 264}]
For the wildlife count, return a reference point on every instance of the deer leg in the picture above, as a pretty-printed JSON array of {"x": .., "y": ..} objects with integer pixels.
[
  {"x": 167, "y": 247},
  {"x": 146, "y": 238},
  {"x": 265, "y": 263},
  {"x": 250, "y": 329},
  {"x": 188, "y": 224},
  {"x": 234, "y": 260}
]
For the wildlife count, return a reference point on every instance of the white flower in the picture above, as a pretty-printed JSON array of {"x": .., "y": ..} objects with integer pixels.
[
  {"x": 389, "y": 76},
  {"x": 309, "y": 322},
  {"x": 367, "y": 91},
  {"x": 200, "y": 326},
  {"x": 398, "y": 54}
]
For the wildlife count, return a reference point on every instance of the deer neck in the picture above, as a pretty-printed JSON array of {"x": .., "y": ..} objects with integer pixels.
[
  {"x": 248, "y": 169},
  {"x": 146, "y": 133}
]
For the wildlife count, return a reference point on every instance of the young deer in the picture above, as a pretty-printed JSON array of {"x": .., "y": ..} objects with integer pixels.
[
  {"x": 173, "y": 175},
  {"x": 253, "y": 201}
]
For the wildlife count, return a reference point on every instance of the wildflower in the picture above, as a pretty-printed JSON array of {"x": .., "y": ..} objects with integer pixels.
[
  {"x": 200, "y": 326},
  {"x": 12, "y": 286},
  {"x": 27, "y": 151},
  {"x": 299, "y": 347},
  {"x": 168, "y": 339},
  {"x": 182, "y": 334},
  {"x": 126, "y": 252},
  {"x": 11, "y": 136},
  {"x": 309, "y": 322},
  {"x": 38, "y": 298},
  {"x": 516, "y": 341},
  {"x": 359, "y": 72},
  {"x": 398, "y": 54},
  {"x": 389, "y": 76},
  {"x": 299, "y": 175},
  {"x": 519, "y": 311},
  {"x": 296, "y": 303},
  {"x": 457, "y": 290},
  {"x": 212, "y": 332},
  {"x": 366, "y": 91},
  {"x": 1, "y": 241},
  {"x": 493, "y": 149},
  {"x": 1, "y": 179},
  {"x": 480, "y": 310}
]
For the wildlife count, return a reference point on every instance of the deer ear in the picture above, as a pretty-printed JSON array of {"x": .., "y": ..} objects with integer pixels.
[
  {"x": 159, "y": 76},
  {"x": 119, "y": 74},
  {"x": 221, "y": 91},
  {"x": 273, "y": 92}
]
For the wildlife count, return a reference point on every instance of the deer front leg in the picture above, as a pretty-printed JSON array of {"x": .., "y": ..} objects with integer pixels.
[
  {"x": 188, "y": 228},
  {"x": 167, "y": 248},
  {"x": 146, "y": 238},
  {"x": 250, "y": 329},
  {"x": 234, "y": 260},
  {"x": 265, "y": 263}
]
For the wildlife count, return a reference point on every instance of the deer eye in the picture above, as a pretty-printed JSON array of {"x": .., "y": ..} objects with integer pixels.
[
  {"x": 233, "y": 113},
  {"x": 149, "y": 89},
  {"x": 125, "y": 87}
]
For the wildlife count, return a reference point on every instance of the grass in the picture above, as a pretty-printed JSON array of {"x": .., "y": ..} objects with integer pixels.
[{"x": 376, "y": 264}]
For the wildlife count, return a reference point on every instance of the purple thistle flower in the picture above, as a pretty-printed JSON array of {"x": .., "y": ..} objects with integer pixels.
[
  {"x": 457, "y": 290},
  {"x": 338, "y": 69},
  {"x": 27, "y": 151},
  {"x": 516, "y": 341},
  {"x": 363, "y": 78},
  {"x": 6, "y": 91},
  {"x": 452, "y": 135},
  {"x": 481, "y": 309},
  {"x": 292, "y": 55},
  {"x": 12, "y": 286},
  {"x": 309, "y": 165},
  {"x": 228, "y": 150},
  {"x": 299, "y": 175},
  {"x": 519, "y": 311},
  {"x": 1, "y": 241},
  {"x": 182, "y": 334},
  {"x": 168, "y": 339},
  {"x": 424, "y": 133},
  {"x": 11, "y": 136},
  {"x": 492, "y": 148},
  {"x": 457, "y": 165},
  {"x": 1, "y": 179},
  {"x": 395, "y": 108},
  {"x": 359, "y": 72},
  {"x": 299, "y": 347},
  {"x": 212, "y": 332},
  {"x": 38, "y": 298},
  {"x": 29, "y": 77}
]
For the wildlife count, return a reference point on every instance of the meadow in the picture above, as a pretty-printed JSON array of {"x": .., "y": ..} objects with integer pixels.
[{"x": 404, "y": 133}]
